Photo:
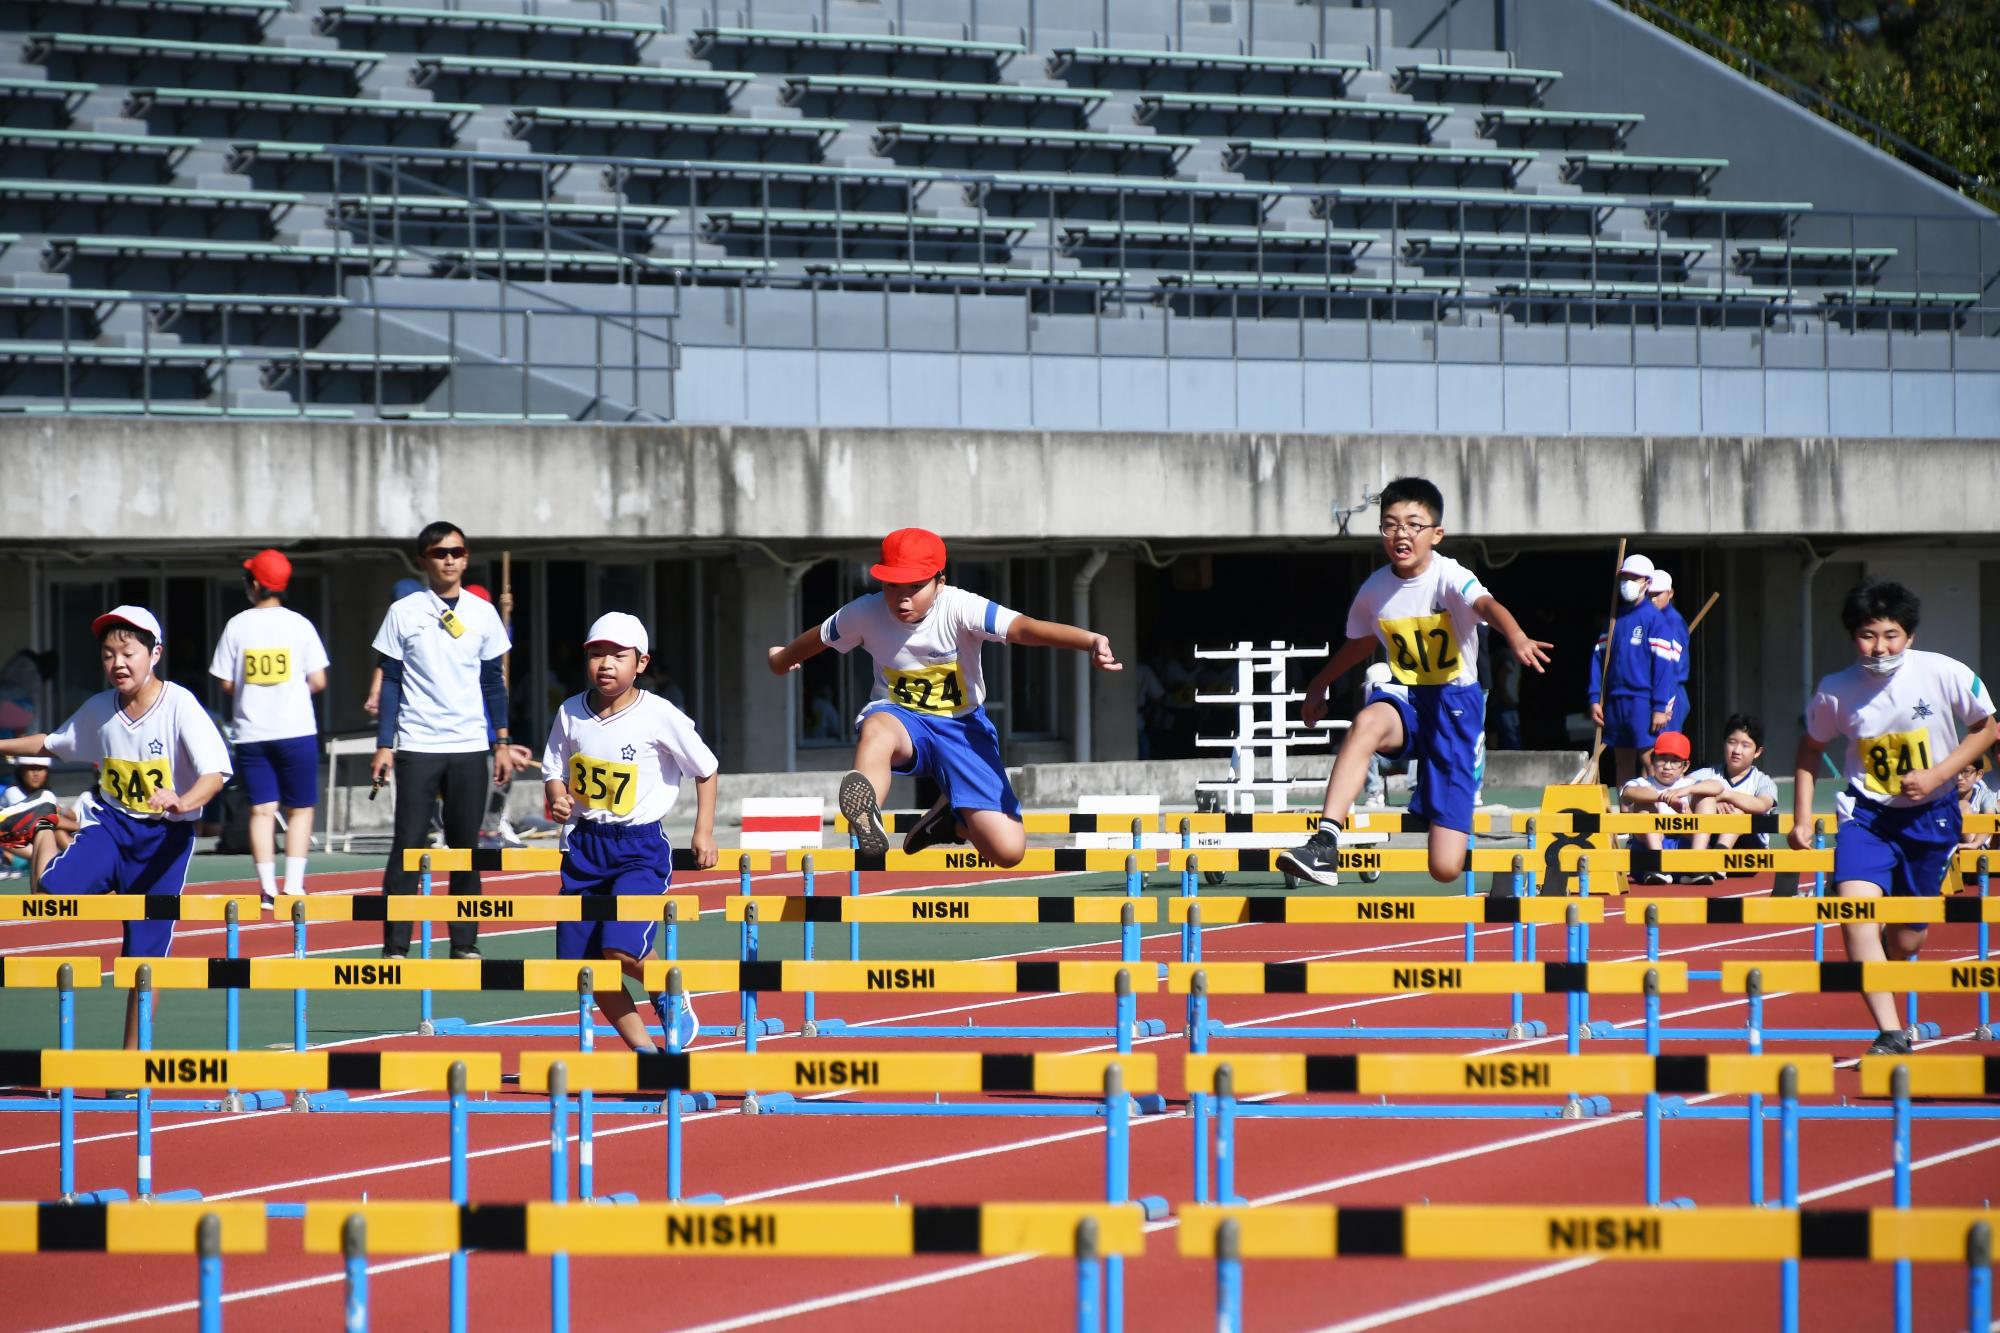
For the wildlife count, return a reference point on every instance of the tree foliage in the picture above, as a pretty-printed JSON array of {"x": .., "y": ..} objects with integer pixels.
[{"x": 1928, "y": 71}]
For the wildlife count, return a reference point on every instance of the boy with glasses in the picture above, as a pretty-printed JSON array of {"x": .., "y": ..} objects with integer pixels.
[{"x": 1424, "y": 609}]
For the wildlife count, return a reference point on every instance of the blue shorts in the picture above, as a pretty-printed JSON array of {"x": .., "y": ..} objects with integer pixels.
[
  {"x": 603, "y": 860},
  {"x": 1905, "y": 852},
  {"x": 1442, "y": 726},
  {"x": 116, "y": 853},
  {"x": 960, "y": 754},
  {"x": 1628, "y": 722},
  {"x": 284, "y": 771}
]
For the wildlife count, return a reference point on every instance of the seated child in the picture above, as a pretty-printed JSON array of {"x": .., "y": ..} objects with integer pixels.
[
  {"x": 1662, "y": 789},
  {"x": 1975, "y": 797},
  {"x": 1739, "y": 788}
]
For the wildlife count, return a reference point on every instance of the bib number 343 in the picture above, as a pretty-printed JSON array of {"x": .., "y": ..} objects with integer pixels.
[{"x": 132, "y": 782}]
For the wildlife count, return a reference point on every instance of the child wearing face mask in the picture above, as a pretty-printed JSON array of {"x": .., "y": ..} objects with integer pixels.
[
  {"x": 1913, "y": 720},
  {"x": 1635, "y": 673}
]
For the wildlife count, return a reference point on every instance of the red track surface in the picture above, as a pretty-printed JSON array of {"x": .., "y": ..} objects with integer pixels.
[{"x": 280, "y": 1155}]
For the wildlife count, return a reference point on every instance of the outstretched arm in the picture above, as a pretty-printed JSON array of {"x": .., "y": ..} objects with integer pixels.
[
  {"x": 793, "y": 654},
  {"x": 1349, "y": 656},
  {"x": 1032, "y": 633},
  {"x": 1805, "y": 768},
  {"x": 25, "y": 746},
  {"x": 1528, "y": 652}
]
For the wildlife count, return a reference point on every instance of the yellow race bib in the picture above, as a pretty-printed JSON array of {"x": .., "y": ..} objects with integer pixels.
[
  {"x": 1889, "y": 758},
  {"x": 1423, "y": 650},
  {"x": 603, "y": 784},
  {"x": 934, "y": 689},
  {"x": 267, "y": 666},
  {"x": 132, "y": 782}
]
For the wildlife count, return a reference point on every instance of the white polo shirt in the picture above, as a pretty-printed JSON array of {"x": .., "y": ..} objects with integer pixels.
[
  {"x": 931, "y": 666},
  {"x": 627, "y": 768},
  {"x": 443, "y": 710},
  {"x": 1898, "y": 723},
  {"x": 1426, "y": 624},
  {"x": 173, "y": 744},
  {"x": 267, "y": 652}
]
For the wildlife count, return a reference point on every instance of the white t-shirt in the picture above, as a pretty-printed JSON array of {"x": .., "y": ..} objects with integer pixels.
[
  {"x": 931, "y": 666},
  {"x": 174, "y": 744},
  {"x": 443, "y": 710},
  {"x": 625, "y": 769},
  {"x": 267, "y": 652},
  {"x": 1426, "y": 624},
  {"x": 1754, "y": 782},
  {"x": 1898, "y": 723}
]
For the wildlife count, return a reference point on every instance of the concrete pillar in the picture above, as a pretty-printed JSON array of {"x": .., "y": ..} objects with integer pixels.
[
  {"x": 757, "y": 616},
  {"x": 358, "y": 588},
  {"x": 1115, "y": 694}
]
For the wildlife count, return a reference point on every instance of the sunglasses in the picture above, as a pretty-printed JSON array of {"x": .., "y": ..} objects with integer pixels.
[{"x": 446, "y": 553}]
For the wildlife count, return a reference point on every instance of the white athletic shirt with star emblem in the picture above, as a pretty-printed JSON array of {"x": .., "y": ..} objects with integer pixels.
[
  {"x": 931, "y": 666},
  {"x": 174, "y": 744},
  {"x": 627, "y": 768},
  {"x": 1425, "y": 624},
  {"x": 1898, "y": 723}
]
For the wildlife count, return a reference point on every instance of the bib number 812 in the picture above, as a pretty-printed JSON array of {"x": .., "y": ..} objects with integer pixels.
[
  {"x": 603, "y": 784},
  {"x": 1422, "y": 650}
]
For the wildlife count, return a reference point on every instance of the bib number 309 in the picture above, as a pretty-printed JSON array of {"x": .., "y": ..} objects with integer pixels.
[
  {"x": 267, "y": 666},
  {"x": 603, "y": 784},
  {"x": 1889, "y": 758},
  {"x": 938, "y": 689}
]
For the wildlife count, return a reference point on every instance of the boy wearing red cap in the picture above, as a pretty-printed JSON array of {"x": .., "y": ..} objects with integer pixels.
[
  {"x": 927, "y": 713},
  {"x": 270, "y": 662},
  {"x": 1663, "y": 790},
  {"x": 159, "y": 761}
]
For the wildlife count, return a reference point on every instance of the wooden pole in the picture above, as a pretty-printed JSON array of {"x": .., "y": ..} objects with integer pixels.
[
  {"x": 1588, "y": 773},
  {"x": 507, "y": 614}
]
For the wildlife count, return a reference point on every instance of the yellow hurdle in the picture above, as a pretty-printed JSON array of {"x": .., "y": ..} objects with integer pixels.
[
  {"x": 931, "y": 909},
  {"x": 905, "y": 976},
  {"x": 1933, "y": 1075},
  {"x": 446, "y": 859},
  {"x": 1921, "y": 977},
  {"x": 1418, "y": 978},
  {"x": 43, "y": 971},
  {"x": 467, "y": 907},
  {"x": 836, "y": 1230},
  {"x": 1811, "y": 911},
  {"x": 841, "y": 1071},
  {"x": 374, "y": 1071},
  {"x": 1452, "y": 911},
  {"x": 1505, "y": 1075},
  {"x": 129, "y": 907},
  {"x": 325, "y": 974},
  {"x": 127, "y": 1228}
]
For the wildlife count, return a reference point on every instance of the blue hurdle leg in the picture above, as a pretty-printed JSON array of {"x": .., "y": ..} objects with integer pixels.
[
  {"x": 1229, "y": 1276},
  {"x": 1985, "y": 1032},
  {"x": 586, "y": 1041},
  {"x": 810, "y": 1023},
  {"x": 231, "y": 998},
  {"x": 66, "y": 1103},
  {"x": 1788, "y": 1190},
  {"x": 425, "y": 1016},
  {"x": 1819, "y": 891},
  {"x": 354, "y": 1251},
  {"x": 1088, "y": 1318},
  {"x": 673, "y": 1097},
  {"x": 1979, "y": 1276},
  {"x": 144, "y": 1137},
  {"x": 298, "y": 996},
  {"x": 1117, "y": 1184},
  {"x": 208, "y": 1249},
  {"x": 1198, "y": 1101},
  {"x": 1225, "y": 1135},
  {"x": 558, "y": 1191},
  {"x": 1899, "y": 1092},
  {"x": 749, "y": 997},
  {"x": 459, "y": 1154},
  {"x": 853, "y": 891}
]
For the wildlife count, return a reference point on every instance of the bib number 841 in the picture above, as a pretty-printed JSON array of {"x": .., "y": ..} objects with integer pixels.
[{"x": 1890, "y": 758}]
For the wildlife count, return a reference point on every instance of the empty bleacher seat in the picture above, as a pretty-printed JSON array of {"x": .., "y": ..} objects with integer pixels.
[
  {"x": 1024, "y": 149},
  {"x": 168, "y": 210},
  {"x": 1765, "y": 218},
  {"x": 908, "y": 235},
  {"x": 205, "y": 20},
  {"x": 167, "y": 263},
  {"x": 1830, "y": 260},
  {"x": 1235, "y": 116},
  {"x": 529, "y": 264},
  {"x": 1189, "y": 246},
  {"x": 349, "y": 168},
  {"x": 791, "y": 51},
  {"x": 1650, "y": 170},
  {"x": 885, "y": 98},
  {"x": 557, "y": 129},
  {"x": 1077, "y": 196},
  {"x": 41, "y": 103},
  {"x": 1441, "y": 209},
  {"x": 488, "y": 32},
  {"x": 144, "y": 159},
  {"x": 109, "y": 58},
  {"x": 1551, "y": 255},
  {"x": 1198, "y": 71},
  {"x": 1488, "y": 83},
  {"x": 433, "y": 221},
  {"x": 221, "y": 113},
  {"x": 509, "y": 81},
  {"x": 772, "y": 185},
  {"x": 1347, "y": 160},
  {"x": 1539, "y": 126}
]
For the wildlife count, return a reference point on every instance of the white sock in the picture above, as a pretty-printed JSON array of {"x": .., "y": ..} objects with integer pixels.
[
  {"x": 295, "y": 875},
  {"x": 267, "y": 879}
]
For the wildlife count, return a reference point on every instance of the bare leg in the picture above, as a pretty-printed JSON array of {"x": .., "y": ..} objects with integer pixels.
[
  {"x": 263, "y": 833},
  {"x": 883, "y": 746},
  {"x": 618, "y": 1007},
  {"x": 1447, "y": 854},
  {"x": 298, "y": 831},
  {"x": 132, "y": 1017},
  {"x": 1001, "y": 840},
  {"x": 1865, "y": 945},
  {"x": 1377, "y": 729},
  {"x": 1700, "y": 841},
  {"x": 49, "y": 844}
]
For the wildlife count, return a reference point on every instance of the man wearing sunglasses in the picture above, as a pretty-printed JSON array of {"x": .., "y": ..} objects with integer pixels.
[{"x": 442, "y": 724}]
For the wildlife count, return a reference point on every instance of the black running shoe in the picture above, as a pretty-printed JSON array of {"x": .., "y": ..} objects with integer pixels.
[
  {"x": 1891, "y": 1043},
  {"x": 863, "y": 810},
  {"x": 20, "y": 823},
  {"x": 1317, "y": 860},
  {"x": 937, "y": 826},
  {"x": 466, "y": 955}
]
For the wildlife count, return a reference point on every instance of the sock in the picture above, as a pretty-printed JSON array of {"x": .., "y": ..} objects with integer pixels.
[
  {"x": 295, "y": 874},
  {"x": 267, "y": 879}
]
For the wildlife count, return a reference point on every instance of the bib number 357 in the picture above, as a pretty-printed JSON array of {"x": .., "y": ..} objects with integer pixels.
[{"x": 603, "y": 784}]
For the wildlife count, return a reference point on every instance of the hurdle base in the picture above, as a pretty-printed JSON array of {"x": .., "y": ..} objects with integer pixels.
[
  {"x": 1149, "y": 1103},
  {"x": 619, "y": 1199},
  {"x": 1608, "y": 1032},
  {"x": 98, "y": 1196},
  {"x": 704, "y": 1199},
  {"x": 1218, "y": 1029},
  {"x": 766, "y": 1027},
  {"x": 285, "y": 1211},
  {"x": 1153, "y": 1207},
  {"x": 829, "y": 1027},
  {"x": 172, "y": 1196},
  {"x": 769, "y": 1103},
  {"x": 320, "y": 1101},
  {"x": 1982, "y": 1033}
]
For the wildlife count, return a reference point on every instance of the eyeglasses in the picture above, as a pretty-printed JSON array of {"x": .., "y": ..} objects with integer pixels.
[
  {"x": 1414, "y": 529},
  {"x": 446, "y": 553}
]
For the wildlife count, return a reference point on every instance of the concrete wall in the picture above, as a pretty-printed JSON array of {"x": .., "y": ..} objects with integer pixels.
[{"x": 230, "y": 484}]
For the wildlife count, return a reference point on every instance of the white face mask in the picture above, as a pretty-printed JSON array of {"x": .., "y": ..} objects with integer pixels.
[
  {"x": 1631, "y": 590},
  {"x": 1885, "y": 665}
]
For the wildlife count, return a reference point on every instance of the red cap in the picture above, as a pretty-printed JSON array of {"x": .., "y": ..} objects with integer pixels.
[
  {"x": 1673, "y": 744},
  {"x": 271, "y": 570},
  {"x": 910, "y": 555},
  {"x": 479, "y": 592}
]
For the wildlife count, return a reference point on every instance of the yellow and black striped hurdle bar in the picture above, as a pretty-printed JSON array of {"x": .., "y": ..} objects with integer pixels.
[
  {"x": 1541, "y": 1233},
  {"x": 1584, "y": 1081},
  {"x": 130, "y": 907},
  {"x": 328, "y": 1076},
  {"x": 205, "y": 1230},
  {"x": 1089, "y": 1233}
]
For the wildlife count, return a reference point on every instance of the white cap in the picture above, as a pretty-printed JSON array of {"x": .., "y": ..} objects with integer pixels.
[
  {"x": 32, "y": 761},
  {"x": 138, "y": 617},
  {"x": 620, "y": 628},
  {"x": 1661, "y": 582},
  {"x": 1636, "y": 567}
]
